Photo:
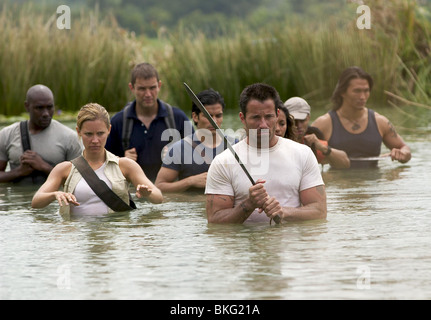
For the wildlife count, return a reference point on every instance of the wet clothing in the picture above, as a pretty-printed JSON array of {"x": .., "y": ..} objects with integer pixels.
[
  {"x": 88, "y": 201},
  {"x": 288, "y": 168},
  {"x": 365, "y": 144},
  {"x": 55, "y": 144},
  {"x": 190, "y": 157},
  {"x": 147, "y": 141},
  {"x": 115, "y": 180}
]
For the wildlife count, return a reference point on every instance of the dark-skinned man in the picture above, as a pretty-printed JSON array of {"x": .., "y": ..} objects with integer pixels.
[{"x": 49, "y": 141}]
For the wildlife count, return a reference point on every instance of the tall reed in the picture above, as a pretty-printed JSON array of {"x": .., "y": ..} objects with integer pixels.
[
  {"x": 295, "y": 60},
  {"x": 89, "y": 62},
  {"x": 92, "y": 60},
  {"x": 307, "y": 59}
]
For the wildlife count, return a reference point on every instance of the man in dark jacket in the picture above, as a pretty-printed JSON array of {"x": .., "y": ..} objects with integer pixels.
[{"x": 148, "y": 134}]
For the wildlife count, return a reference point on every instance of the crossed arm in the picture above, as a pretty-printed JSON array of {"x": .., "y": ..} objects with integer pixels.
[
  {"x": 29, "y": 162},
  {"x": 220, "y": 208}
]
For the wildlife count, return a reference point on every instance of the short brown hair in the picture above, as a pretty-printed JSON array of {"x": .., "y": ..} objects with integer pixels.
[
  {"x": 260, "y": 92},
  {"x": 143, "y": 71}
]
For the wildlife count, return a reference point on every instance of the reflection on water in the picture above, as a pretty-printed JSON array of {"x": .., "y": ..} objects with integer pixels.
[{"x": 375, "y": 244}]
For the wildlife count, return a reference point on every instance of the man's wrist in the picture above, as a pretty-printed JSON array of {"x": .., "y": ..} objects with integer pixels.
[
  {"x": 246, "y": 207},
  {"x": 246, "y": 210},
  {"x": 328, "y": 151}
]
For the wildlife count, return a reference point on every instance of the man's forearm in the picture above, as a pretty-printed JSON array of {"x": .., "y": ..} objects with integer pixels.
[
  {"x": 309, "y": 212},
  {"x": 176, "y": 186},
  {"x": 237, "y": 214},
  {"x": 11, "y": 175},
  {"x": 7, "y": 176},
  {"x": 338, "y": 159},
  {"x": 47, "y": 168}
]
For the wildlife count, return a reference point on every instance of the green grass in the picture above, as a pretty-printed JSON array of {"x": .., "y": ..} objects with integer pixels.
[
  {"x": 92, "y": 61},
  {"x": 89, "y": 62},
  {"x": 306, "y": 60}
]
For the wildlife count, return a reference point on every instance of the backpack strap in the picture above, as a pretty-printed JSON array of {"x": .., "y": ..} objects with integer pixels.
[
  {"x": 127, "y": 127},
  {"x": 37, "y": 177},
  {"x": 170, "y": 120},
  {"x": 25, "y": 137},
  {"x": 128, "y": 123},
  {"x": 100, "y": 188}
]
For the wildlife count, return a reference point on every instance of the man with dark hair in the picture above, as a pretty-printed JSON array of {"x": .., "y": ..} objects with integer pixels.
[
  {"x": 356, "y": 129},
  {"x": 148, "y": 117},
  {"x": 34, "y": 147},
  {"x": 186, "y": 164},
  {"x": 288, "y": 179}
]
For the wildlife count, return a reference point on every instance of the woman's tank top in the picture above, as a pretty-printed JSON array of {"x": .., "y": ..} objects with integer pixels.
[
  {"x": 89, "y": 202},
  {"x": 365, "y": 144}
]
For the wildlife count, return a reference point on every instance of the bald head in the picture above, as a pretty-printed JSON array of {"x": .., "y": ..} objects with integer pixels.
[
  {"x": 39, "y": 91},
  {"x": 40, "y": 105}
]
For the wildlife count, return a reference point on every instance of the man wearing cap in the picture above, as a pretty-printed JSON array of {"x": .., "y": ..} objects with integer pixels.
[{"x": 312, "y": 136}]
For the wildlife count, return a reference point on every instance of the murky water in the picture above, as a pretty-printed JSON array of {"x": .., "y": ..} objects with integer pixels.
[{"x": 375, "y": 244}]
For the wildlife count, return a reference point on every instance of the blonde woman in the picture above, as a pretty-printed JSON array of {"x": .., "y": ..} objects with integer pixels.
[{"x": 93, "y": 127}]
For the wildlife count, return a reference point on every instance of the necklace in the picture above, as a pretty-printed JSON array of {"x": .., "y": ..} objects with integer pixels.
[{"x": 355, "y": 124}]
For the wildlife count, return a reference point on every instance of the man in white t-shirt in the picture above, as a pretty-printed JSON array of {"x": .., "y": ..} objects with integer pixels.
[{"x": 287, "y": 175}]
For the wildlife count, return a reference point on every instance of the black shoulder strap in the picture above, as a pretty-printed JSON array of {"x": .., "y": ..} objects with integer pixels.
[
  {"x": 25, "y": 137},
  {"x": 128, "y": 123},
  {"x": 100, "y": 188},
  {"x": 127, "y": 127},
  {"x": 37, "y": 177},
  {"x": 170, "y": 120}
]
